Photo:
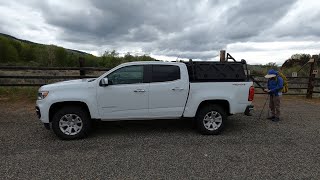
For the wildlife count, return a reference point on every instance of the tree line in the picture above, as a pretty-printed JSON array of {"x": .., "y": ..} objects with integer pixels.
[{"x": 15, "y": 52}]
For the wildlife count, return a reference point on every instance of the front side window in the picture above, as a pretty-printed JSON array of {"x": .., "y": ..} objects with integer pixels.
[
  {"x": 126, "y": 75},
  {"x": 163, "y": 73}
]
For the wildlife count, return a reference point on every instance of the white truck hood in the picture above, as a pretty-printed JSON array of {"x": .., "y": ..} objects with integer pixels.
[{"x": 78, "y": 83}]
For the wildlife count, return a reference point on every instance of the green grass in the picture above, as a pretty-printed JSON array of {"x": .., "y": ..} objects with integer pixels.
[{"x": 18, "y": 93}]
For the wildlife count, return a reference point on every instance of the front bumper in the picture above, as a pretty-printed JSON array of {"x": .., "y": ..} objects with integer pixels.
[
  {"x": 42, "y": 111},
  {"x": 38, "y": 112},
  {"x": 248, "y": 110}
]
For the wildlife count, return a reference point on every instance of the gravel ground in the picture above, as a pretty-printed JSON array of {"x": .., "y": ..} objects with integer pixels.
[{"x": 165, "y": 149}]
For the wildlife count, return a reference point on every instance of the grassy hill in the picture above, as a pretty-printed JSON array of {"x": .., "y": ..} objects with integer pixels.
[
  {"x": 14, "y": 51},
  {"x": 34, "y": 43}
]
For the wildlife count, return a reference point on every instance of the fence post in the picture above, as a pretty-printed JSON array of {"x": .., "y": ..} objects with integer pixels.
[
  {"x": 81, "y": 65},
  {"x": 311, "y": 76},
  {"x": 222, "y": 55}
]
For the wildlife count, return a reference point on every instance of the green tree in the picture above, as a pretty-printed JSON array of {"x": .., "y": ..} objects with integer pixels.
[
  {"x": 301, "y": 56},
  {"x": 111, "y": 59},
  {"x": 27, "y": 53},
  {"x": 4, "y": 43},
  {"x": 91, "y": 61},
  {"x": 50, "y": 54},
  {"x": 41, "y": 56},
  {"x": 12, "y": 54},
  {"x": 60, "y": 55},
  {"x": 72, "y": 60},
  {"x": 17, "y": 45},
  {"x": 8, "y": 53},
  {"x": 128, "y": 57},
  {"x": 145, "y": 58}
]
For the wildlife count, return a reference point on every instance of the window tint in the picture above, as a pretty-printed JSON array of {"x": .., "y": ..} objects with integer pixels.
[
  {"x": 127, "y": 75},
  {"x": 162, "y": 73}
]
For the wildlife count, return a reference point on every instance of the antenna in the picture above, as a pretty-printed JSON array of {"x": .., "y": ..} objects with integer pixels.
[{"x": 177, "y": 58}]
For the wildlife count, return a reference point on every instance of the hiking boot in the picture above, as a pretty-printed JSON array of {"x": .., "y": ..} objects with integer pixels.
[
  {"x": 275, "y": 119},
  {"x": 270, "y": 117}
]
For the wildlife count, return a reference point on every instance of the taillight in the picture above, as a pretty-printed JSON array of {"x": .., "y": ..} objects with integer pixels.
[{"x": 251, "y": 94}]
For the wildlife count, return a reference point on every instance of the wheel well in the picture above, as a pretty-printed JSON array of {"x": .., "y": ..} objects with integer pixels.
[
  {"x": 57, "y": 106},
  {"x": 223, "y": 103}
]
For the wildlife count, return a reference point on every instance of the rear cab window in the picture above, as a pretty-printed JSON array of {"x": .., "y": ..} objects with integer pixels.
[{"x": 164, "y": 73}]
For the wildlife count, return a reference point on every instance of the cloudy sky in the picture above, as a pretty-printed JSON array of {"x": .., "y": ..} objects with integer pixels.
[{"x": 259, "y": 31}]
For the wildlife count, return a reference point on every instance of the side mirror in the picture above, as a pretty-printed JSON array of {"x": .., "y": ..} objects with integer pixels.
[{"x": 104, "y": 82}]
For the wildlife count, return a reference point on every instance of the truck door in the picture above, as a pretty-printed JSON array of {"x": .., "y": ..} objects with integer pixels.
[
  {"x": 126, "y": 97},
  {"x": 168, "y": 91}
]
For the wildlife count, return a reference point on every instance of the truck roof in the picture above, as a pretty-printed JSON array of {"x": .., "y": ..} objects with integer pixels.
[
  {"x": 150, "y": 62},
  {"x": 206, "y": 71}
]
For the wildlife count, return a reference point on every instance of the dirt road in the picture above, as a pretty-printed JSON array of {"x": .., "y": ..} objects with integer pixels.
[{"x": 165, "y": 149}]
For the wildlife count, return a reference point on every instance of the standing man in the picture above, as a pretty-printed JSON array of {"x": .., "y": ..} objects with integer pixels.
[{"x": 275, "y": 85}]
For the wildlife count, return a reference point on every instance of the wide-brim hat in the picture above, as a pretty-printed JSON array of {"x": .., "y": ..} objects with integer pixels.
[{"x": 270, "y": 76}]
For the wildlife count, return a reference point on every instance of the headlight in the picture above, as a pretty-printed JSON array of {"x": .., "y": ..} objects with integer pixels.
[{"x": 42, "y": 94}]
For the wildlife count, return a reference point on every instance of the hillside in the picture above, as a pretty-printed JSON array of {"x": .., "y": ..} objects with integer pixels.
[
  {"x": 34, "y": 43},
  {"x": 14, "y": 51}
]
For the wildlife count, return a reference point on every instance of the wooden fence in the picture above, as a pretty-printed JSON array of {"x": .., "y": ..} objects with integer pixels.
[
  {"x": 82, "y": 74},
  {"x": 297, "y": 85}
]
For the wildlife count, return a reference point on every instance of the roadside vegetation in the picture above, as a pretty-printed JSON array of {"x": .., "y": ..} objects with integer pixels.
[{"x": 18, "y": 94}]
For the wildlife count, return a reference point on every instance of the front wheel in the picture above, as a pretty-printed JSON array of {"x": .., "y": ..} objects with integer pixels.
[
  {"x": 210, "y": 120},
  {"x": 71, "y": 123}
]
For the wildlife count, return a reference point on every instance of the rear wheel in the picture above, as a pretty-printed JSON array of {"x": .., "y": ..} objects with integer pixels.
[
  {"x": 71, "y": 123},
  {"x": 210, "y": 119}
]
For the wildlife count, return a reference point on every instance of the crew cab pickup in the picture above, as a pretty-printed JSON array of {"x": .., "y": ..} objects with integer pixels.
[{"x": 208, "y": 92}]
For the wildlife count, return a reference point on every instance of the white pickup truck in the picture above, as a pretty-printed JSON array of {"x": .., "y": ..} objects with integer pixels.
[{"x": 147, "y": 90}]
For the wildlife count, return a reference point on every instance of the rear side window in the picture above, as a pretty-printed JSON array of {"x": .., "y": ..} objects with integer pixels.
[{"x": 163, "y": 73}]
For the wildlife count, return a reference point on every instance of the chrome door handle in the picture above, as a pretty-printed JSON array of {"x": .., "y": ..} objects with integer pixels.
[
  {"x": 139, "y": 90},
  {"x": 177, "y": 89}
]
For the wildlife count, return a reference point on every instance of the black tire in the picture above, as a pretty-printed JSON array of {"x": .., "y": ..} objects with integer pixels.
[
  {"x": 76, "y": 111},
  {"x": 211, "y": 130}
]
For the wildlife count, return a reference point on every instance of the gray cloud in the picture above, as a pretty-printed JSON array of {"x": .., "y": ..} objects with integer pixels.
[
  {"x": 250, "y": 18},
  {"x": 185, "y": 28}
]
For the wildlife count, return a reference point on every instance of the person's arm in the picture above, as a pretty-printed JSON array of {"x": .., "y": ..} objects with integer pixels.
[
  {"x": 279, "y": 85},
  {"x": 267, "y": 89}
]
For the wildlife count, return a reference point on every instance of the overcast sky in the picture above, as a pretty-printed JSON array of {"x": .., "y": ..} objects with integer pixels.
[{"x": 259, "y": 31}]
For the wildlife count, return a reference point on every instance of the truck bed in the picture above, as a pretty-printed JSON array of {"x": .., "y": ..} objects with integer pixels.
[{"x": 235, "y": 93}]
